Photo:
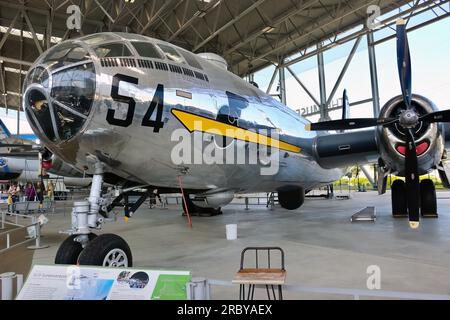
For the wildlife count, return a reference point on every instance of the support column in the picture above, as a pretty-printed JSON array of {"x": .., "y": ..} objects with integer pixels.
[
  {"x": 282, "y": 79},
  {"x": 20, "y": 80},
  {"x": 323, "y": 91},
  {"x": 373, "y": 74}
]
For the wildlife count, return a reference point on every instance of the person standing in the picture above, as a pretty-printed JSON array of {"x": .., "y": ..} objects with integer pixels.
[
  {"x": 30, "y": 192},
  {"x": 40, "y": 189},
  {"x": 50, "y": 190},
  {"x": 13, "y": 192}
]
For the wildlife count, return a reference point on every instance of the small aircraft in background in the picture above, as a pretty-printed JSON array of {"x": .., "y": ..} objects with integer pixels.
[
  {"x": 118, "y": 106},
  {"x": 20, "y": 161}
]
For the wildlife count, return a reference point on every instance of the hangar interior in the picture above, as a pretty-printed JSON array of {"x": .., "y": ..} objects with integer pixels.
[{"x": 327, "y": 256}]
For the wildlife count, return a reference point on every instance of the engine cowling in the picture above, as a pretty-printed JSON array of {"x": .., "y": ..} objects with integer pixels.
[
  {"x": 213, "y": 200},
  {"x": 55, "y": 165},
  {"x": 428, "y": 137}
]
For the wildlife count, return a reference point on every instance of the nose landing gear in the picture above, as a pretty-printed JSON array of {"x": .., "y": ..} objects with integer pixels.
[{"x": 84, "y": 247}]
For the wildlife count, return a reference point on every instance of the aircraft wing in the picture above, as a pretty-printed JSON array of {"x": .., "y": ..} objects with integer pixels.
[
  {"x": 21, "y": 155},
  {"x": 346, "y": 149}
]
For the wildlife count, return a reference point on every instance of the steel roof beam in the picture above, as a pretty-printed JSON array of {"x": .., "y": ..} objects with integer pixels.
[
  {"x": 275, "y": 22},
  {"x": 318, "y": 23},
  {"x": 198, "y": 14},
  {"x": 154, "y": 18},
  {"x": 229, "y": 23}
]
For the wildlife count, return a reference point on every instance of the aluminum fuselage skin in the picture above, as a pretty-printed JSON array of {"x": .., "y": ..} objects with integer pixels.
[{"x": 139, "y": 154}]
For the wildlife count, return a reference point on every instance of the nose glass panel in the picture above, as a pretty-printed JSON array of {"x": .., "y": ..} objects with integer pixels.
[
  {"x": 67, "y": 123},
  {"x": 40, "y": 107},
  {"x": 75, "y": 87},
  {"x": 38, "y": 75},
  {"x": 61, "y": 92}
]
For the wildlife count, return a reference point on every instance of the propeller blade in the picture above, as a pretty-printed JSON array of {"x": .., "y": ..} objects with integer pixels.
[
  {"x": 404, "y": 62},
  {"x": 438, "y": 116},
  {"x": 412, "y": 180},
  {"x": 347, "y": 124},
  {"x": 345, "y": 105},
  {"x": 342, "y": 124}
]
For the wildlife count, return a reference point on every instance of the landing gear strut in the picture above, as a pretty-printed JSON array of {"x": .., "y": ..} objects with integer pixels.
[
  {"x": 428, "y": 204},
  {"x": 84, "y": 247}
]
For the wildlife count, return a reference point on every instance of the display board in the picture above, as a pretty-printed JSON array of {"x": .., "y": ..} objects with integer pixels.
[{"x": 62, "y": 282}]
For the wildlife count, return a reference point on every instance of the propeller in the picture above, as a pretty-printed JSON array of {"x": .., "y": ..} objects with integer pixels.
[
  {"x": 404, "y": 62},
  {"x": 412, "y": 180},
  {"x": 345, "y": 105},
  {"x": 408, "y": 119}
]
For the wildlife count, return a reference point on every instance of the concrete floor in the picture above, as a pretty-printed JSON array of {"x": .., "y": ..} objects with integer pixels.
[{"x": 323, "y": 248}]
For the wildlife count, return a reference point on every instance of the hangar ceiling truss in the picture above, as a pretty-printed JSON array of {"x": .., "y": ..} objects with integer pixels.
[{"x": 249, "y": 34}]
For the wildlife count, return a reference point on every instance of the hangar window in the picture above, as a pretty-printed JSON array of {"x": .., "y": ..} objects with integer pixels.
[
  {"x": 147, "y": 50},
  {"x": 112, "y": 50},
  {"x": 171, "y": 53},
  {"x": 190, "y": 59}
]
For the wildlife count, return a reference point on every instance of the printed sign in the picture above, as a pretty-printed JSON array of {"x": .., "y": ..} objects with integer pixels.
[{"x": 98, "y": 283}]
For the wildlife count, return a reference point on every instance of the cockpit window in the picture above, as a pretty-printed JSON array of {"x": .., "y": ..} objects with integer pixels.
[
  {"x": 65, "y": 54},
  {"x": 112, "y": 50},
  {"x": 75, "y": 87},
  {"x": 171, "y": 53},
  {"x": 146, "y": 49},
  {"x": 99, "y": 38},
  {"x": 190, "y": 59}
]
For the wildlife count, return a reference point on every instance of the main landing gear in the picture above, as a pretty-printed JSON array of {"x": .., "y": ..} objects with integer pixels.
[
  {"x": 83, "y": 247},
  {"x": 291, "y": 198},
  {"x": 428, "y": 204}
]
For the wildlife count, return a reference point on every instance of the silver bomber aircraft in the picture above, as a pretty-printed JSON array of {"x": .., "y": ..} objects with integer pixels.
[{"x": 108, "y": 105}]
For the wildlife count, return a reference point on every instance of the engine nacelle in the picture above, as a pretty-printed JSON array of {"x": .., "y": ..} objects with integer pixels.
[
  {"x": 214, "y": 200},
  {"x": 428, "y": 137},
  {"x": 59, "y": 167}
]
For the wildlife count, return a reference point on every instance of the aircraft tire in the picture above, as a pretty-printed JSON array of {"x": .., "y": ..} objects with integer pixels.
[
  {"x": 107, "y": 250},
  {"x": 428, "y": 203},
  {"x": 291, "y": 199},
  {"x": 69, "y": 251},
  {"x": 399, "y": 199}
]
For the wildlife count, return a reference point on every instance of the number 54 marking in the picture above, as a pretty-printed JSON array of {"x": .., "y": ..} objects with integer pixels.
[{"x": 156, "y": 103}]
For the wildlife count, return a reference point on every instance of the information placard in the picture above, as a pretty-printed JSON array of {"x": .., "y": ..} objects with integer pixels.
[{"x": 60, "y": 282}]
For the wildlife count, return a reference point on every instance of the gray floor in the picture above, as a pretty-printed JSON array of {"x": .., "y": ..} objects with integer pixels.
[{"x": 323, "y": 249}]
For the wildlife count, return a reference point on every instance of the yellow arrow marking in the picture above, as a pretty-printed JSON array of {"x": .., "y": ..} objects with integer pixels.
[{"x": 194, "y": 122}]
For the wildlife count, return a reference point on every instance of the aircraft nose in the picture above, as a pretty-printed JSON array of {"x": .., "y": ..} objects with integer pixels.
[{"x": 59, "y": 92}]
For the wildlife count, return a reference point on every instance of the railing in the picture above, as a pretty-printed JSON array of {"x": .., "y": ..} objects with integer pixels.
[
  {"x": 7, "y": 285},
  {"x": 34, "y": 224},
  {"x": 201, "y": 289}
]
